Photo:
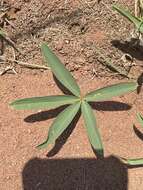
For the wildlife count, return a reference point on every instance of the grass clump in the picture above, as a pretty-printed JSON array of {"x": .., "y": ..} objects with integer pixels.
[{"x": 137, "y": 21}]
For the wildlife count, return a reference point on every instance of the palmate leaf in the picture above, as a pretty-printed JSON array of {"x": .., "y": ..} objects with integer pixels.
[
  {"x": 43, "y": 102},
  {"x": 140, "y": 119},
  {"x": 60, "y": 71},
  {"x": 91, "y": 128},
  {"x": 60, "y": 124},
  {"x": 110, "y": 91}
]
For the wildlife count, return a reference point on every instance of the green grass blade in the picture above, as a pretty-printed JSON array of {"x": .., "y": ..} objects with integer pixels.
[
  {"x": 128, "y": 15},
  {"x": 135, "y": 162},
  {"x": 60, "y": 124},
  {"x": 91, "y": 127},
  {"x": 60, "y": 71},
  {"x": 111, "y": 91},
  {"x": 132, "y": 162},
  {"x": 140, "y": 119},
  {"x": 43, "y": 102}
]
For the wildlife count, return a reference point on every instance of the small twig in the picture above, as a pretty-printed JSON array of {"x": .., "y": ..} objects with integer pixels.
[
  {"x": 14, "y": 56},
  {"x": 10, "y": 23},
  {"x": 136, "y": 7},
  {"x": 24, "y": 64},
  {"x": 6, "y": 38},
  {"x": 32, "y": 66},
  {"x": 8, "y": 68},
  {"x": 2, "y": 15}
]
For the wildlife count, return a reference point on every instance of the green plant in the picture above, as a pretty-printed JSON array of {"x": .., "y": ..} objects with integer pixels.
[
  {"x": 137, "y": 21},
  {"x": 140, "y": 119},
  {"x": 136, "y": 161},
  {"x": 76, "y": 102}
]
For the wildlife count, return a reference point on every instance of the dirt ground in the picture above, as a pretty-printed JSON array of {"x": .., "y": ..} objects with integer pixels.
[{"x": 74, "y": 30}]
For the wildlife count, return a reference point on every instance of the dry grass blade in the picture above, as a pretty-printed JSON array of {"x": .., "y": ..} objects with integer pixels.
[
  {"x": 8, "y": 40},
  {"x": 108, "y": 63}
]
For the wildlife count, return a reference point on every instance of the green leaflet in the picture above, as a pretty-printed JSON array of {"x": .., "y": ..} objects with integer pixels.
[
  {"x": 111, "y": 91},
  {"x": 43, "y": 102},
  {"x": 135, "y": 20},
  {"x": 132, "y": 162},
  {"x": 60, "y": 124},
  {"x": 60, "y": 71},
  {"x": 140, "y": 119},
  {"x": 91, "y": 127}
]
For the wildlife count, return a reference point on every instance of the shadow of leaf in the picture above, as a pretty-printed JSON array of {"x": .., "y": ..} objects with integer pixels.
[
  {"x": 61, "y": 87},
  {"x": 138, "y": 133},
  {"x": 110, "y": 106},
  {"x": 136, "y": 166},
  {"x": 64, "y": 136},
  {"x": 44, "y": 115}
]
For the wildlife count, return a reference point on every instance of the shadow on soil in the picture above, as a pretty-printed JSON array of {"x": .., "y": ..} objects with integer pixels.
[
  {"x": 44, "y": 115},
  {"x": 61, "y": 140},
  {"x": 62, "y": 16},
  {"x": 140, "y": 83},
  {"x": 127, "y": 47},
  {"x": 138, "y": 133},
  {"x": 110, "y": 106},
  {"x": 61, "y": 86},
  {"x": 71, "y": 174},
  {"x": 100, "y": 106}
]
